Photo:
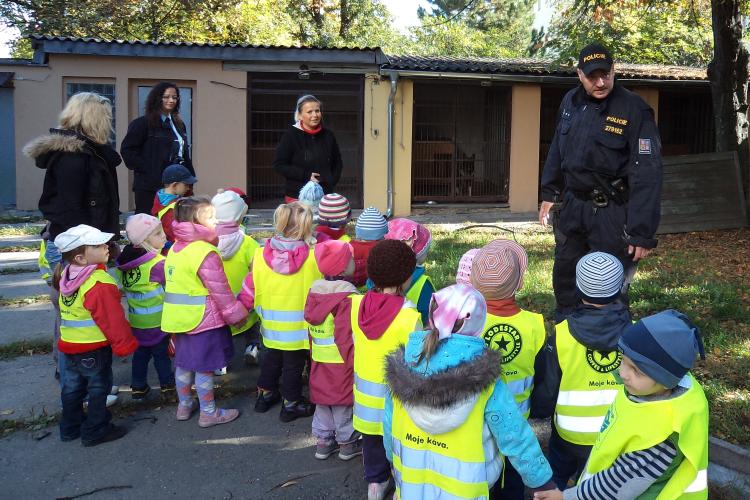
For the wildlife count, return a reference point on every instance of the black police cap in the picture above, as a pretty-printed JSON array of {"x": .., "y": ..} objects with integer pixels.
[{"x": 594, "y": 56}]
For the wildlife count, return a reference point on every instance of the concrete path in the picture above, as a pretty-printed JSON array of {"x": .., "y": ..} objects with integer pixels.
[
  {"x": 33, "y": 322},
  {"x": 20, "y": 240},
  {"x": 19, "y": 260},
  {"x": 22, "y": 285}
]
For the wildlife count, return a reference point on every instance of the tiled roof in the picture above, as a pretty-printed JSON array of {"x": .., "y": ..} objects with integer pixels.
[{"x": 520, "y": 66}]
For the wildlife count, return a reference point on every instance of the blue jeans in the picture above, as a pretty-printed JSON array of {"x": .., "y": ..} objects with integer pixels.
[
  {"x": 52, "y": 254},
  {"x": 89, "y": 373},
  {"x": 162, "y": 363},
  {"x": 567, "y": 460}
]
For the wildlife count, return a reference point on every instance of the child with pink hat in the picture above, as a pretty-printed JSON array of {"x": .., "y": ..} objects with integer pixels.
[
  {"x": 328, "y": 313},
  {"x": 418, "y": 237}
]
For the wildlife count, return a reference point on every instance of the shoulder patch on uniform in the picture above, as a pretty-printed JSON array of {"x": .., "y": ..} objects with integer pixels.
[{"x": 644, "y": 146}]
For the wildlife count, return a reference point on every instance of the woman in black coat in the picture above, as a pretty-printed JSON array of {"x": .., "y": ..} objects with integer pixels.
[
  {"x": 308, "y": 151},
  {"x": 154, "y": 141},
  {"x": 80, "y": 182}
]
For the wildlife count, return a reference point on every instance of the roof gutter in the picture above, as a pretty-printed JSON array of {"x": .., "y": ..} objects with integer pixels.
[
  {"x": 525, "y": 78},
  {"x": 393, "y": 75}
]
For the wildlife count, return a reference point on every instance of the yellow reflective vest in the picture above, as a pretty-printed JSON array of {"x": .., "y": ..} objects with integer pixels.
[
  {"x": 280, "y": 302},
  {"x": 185, "y": 297},
  {"x": 415, "y": 290},
  {"x": 77, "y": 326},
  {"x": 323, "y": 348},
  {"x": 450, "y": 465},
  {"x": 587, "y": 387},
  {"x": 44, "y": 270},
  {"x": 160, "y": 214},
  {"x": 369, "y": 366},
  {"x": 237, "y": 268},
  {"x": 145, "y": 298},
  {"x": 519, "y": 338},
  {"x": 630, "y": 426}
]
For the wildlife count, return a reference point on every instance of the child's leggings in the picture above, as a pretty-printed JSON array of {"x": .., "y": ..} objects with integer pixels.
[{"x": 204, "y": 386}]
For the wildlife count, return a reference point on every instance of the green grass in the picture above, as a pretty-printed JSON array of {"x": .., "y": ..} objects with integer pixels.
[
  {"x": 23, "y": 301},
  {"x": 20, "y": 248},
  {"x": 25, "y": 230},
  {"x": 25, "y": 348},
  {"x": 690, "y": 273}
]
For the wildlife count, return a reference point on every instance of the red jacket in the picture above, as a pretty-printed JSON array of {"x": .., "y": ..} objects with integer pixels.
[
  {"x": 166, "y": 220},
  {"x": 103, "y": 302},
  {"x": 331, "y": 384},
  {"x": 361, "y": 252}
]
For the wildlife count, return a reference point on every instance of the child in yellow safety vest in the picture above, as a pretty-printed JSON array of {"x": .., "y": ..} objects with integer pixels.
[
  {"x": 370, "y": 228},
  {"x": 334, "y": 213},
  {"x": 658, "y": 420},
  {"x": 449, "y": 417},
  {"x": 381, "y": 321},
  {"x": 576, "y": 381},
  {"x": 140, "y": 271},
  {"x": 418, "y": 237},
  {"x": 328, "y": 312},
  {"x": 92, "y": 327},
  {"x": 198, "y": 306},
  {"x": 518, "y": 335},
  {"x": 177, "y": 181},
  {"x": 281, "y": 275},
  {"x": 237, "y": 251}
]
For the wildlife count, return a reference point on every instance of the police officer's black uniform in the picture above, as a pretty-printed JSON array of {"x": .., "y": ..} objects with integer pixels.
[{"x": 604, "y": 165}]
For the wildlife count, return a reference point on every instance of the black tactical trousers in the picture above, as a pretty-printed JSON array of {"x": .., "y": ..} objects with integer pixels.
[{"x": 581, "y": 228}]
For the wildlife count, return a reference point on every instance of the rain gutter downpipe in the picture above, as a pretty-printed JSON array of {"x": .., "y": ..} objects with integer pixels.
[{"x": 391, "y": 111}]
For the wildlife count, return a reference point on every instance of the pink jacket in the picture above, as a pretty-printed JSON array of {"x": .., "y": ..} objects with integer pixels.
[
  {"x": 283, "y": 256},
  {"x": 222, "y": 308}
]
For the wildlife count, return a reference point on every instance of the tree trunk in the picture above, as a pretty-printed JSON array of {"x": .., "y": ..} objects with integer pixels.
[
  {"x": 728, "y": 75},
  {"x": 344, "y": 20}
]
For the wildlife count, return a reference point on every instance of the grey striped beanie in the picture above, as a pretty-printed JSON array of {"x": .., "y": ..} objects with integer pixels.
[
  {"x": 371, "y": 225},
  {"x": 599, "y": 277}
]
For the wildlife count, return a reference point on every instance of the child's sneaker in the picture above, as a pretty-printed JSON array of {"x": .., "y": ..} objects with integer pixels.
[
  {"x": 111, "y": 401},
  {"x": 350, "y": 450},
  {"x": 218, "y": 417},
  {"x": 114, "y": 433},
  {"x": 184, "y": 412},
  {"x": 220, "y": 372},
  {"x": 140, "y": 393},
  {"x": 266, "y": 399},
  {"x": 325, "y": 449},
  {"x": 251, "y": 354},
  {"x": 115, "y": 389},
  {"x": 296, "y": 409},
  {"x": 378, "y": 491},
  {"x": 169, "y": 394}
]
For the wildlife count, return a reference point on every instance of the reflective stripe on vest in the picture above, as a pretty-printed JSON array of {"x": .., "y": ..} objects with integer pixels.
[
  {"x": 161, "y": 213},
  {"x": 77, "y": 326},
  {"x": 280, "y": 302},
  {"x": 587, "y": 388},
  {"x": 323, "y": 348},
  {"x": 369, "y": 366},
  {"x": 449, "y": 465},
  {"x": 415, "y": 290},
  {"x": 629, "y": 427},
  {"x": 44, "y": 271},
  {"x": 185, "y": 297},
  {"x": 145, "y": 297},
  {"x": 237, "y": 268},
  {"x": 518, "y": 338}
]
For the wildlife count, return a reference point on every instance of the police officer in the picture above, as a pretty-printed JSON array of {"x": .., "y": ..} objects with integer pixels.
[{"x": 604, "y": 169}]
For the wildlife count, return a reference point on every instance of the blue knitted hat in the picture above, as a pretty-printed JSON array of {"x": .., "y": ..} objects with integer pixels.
[
  {"x": 371, "y": 225},
  {"x": 663, "y": 346},
  {"x": 599, "y": 277}
]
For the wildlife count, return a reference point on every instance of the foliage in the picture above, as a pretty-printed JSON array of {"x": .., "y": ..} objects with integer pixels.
[{"x": 638, "y": 31}]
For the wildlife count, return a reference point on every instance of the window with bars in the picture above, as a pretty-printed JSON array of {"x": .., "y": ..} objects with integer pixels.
[{"x": 104, "y": 89}]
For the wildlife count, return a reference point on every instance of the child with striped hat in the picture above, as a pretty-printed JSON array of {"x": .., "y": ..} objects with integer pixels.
[
  {"x": 370, "y": 228},
  {"x": 334, "y": 213}
]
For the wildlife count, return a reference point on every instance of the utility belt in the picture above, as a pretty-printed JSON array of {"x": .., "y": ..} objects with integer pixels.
[{"x": 615, "y": 190}]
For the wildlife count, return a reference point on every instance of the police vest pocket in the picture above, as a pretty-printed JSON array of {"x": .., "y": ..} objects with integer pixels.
[
  {"x": 564, "y": 126},
  {"x": 611, "y": 141}
]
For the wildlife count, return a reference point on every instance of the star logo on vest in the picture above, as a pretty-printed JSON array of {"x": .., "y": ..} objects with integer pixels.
[
  {"x": 69, "y": 299},
  {"x": 504, "y": 338},
  {"x": 170, "y": 273},
  {"x": 603, "y": 361},
  {"x": 131, "y": 276}
]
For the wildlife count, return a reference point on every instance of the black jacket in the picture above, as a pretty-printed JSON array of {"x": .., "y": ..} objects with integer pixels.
[
  {"x": 148, "y": 150},
  {"x": 80, "y": 183},
  {"x": 299, "y": 154},
  {"x": 617, "y": 138}
]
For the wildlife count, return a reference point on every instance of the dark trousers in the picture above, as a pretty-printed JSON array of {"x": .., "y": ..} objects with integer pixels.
[
  {"x": 567, "y": 460},
  {"x": 162, "y": 363},
  {"x": 510, "y": 486},
  {"x": 89, "y": 374},
  {"x": 580, "y": 229},
  {"x": 377, "y": 466},
  {"x": 144, "y": 200},
  {"x": 276, "y": 364}
]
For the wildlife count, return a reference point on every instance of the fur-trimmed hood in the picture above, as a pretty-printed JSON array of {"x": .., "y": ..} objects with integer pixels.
[
  {"x": 439, "y": 395},
  {"x": 44, "y": 147}
]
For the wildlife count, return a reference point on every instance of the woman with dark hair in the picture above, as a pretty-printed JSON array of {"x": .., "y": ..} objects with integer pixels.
[
  {"x": 307, "y": 151},
  {"x": 154, "y": 141}
]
